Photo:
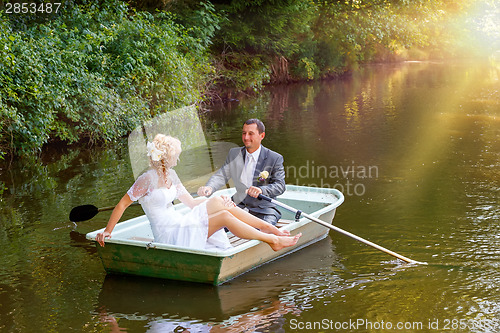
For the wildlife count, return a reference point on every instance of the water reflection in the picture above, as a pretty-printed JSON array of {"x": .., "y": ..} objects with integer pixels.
[
  {"x": 172, "y": 307},
  {"x": 263, "y": 300},
  {"x": 256, "y": 300}
]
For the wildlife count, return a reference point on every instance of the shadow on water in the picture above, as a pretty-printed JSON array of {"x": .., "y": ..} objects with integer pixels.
[{"x": 78, "y": 239}]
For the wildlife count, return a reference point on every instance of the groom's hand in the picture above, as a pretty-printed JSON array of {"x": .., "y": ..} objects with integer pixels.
[
  {"x": 254, "y": 191},
  {"x": 204, "y": 191}
]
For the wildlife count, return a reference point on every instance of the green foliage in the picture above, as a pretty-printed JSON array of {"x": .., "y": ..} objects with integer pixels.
[
  {"x": 264, "y": 30},
  {"x": 327, "y": 38},
  {"x": 307, "y": 68},
  {"x": 371, "y": 31},
  {"x": 201, "y": 20},
  {"x": 96, "y": 72},
  {"x": 266, "y": 27},
  {"x": 242, "y": 71}
]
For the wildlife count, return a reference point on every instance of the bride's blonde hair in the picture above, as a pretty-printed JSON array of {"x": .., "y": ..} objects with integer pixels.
[{"x": 170, "y": 148}]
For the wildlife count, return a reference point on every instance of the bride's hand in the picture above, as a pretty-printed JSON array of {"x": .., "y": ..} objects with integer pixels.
[
  {"x": 101, "y": 236},
  {"x": 227, "y": 201}
]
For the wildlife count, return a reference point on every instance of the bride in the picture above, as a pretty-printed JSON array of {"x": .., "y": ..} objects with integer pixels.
[{"x": 200, "y": 228}]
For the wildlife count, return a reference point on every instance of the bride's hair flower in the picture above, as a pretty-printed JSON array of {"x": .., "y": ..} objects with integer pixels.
[
  {"x": 153, "y": 152},
  {"x": 263, "y": 175}
]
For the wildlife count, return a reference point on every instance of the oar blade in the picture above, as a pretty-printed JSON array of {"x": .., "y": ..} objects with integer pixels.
[{"x": 83, "y": 213}]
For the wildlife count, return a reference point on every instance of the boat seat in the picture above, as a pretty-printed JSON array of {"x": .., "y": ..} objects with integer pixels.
[{"x": 283, "y": 222}]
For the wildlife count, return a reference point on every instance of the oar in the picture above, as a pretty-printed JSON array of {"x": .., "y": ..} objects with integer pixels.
[
  {"x": 367, "y": 242},
  {"x": 86, "y": 212}
]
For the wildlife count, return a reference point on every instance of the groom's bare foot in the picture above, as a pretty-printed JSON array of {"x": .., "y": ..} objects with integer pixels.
[
  {"x": 285, "y": 241},
  {"x": 271, "y": 229},
  {"x": 282, "y": 232}
]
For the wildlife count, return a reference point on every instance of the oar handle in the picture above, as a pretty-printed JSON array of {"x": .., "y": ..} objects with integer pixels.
[
  {"x": 105, "y": 208},
  {"x": 331, "y": 226},
  {"x": 263, "y": 197}
]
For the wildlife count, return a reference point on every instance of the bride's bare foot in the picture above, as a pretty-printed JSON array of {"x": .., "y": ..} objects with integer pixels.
[{"x": 285, "y": 241}]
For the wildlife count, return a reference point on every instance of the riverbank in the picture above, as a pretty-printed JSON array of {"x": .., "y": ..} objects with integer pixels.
[{"x": 94, "y": 72}]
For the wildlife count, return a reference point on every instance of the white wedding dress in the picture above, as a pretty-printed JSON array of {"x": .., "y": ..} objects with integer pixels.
[{"x": 168, "y": 225}]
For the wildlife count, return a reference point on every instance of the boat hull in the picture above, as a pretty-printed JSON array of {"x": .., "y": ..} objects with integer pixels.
[{"x": 132, "y": 251}]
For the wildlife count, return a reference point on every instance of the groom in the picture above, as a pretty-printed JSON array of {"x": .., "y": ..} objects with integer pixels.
[{"x": 254, "y": 169}]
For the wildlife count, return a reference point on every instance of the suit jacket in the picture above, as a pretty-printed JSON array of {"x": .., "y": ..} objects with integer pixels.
[{"x": 273, "y": 186}]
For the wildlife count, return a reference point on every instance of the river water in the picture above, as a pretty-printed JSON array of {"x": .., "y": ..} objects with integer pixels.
[{"x": 414, "y": 148}]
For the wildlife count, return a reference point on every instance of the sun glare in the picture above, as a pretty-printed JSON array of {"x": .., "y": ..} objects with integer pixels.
[{"x": 482, "y": 25}]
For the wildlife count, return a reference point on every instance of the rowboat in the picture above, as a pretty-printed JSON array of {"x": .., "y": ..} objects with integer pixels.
[{"x": 132, "y": 249}]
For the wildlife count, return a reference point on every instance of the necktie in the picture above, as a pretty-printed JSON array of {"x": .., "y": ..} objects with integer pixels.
[{"x": 248, "y": 170}]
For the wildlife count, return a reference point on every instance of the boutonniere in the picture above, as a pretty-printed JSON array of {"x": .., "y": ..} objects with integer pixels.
[{"x": 263, "y": 176}]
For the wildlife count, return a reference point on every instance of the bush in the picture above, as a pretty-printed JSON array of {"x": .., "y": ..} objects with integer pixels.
[{"x": 96, "y": 73}]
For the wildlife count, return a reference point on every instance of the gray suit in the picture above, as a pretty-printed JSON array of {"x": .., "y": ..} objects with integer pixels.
[{"x": 273, "y": 186}]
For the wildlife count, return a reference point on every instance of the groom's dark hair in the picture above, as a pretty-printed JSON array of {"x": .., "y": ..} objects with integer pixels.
[{"x": 260, "y": 124}]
